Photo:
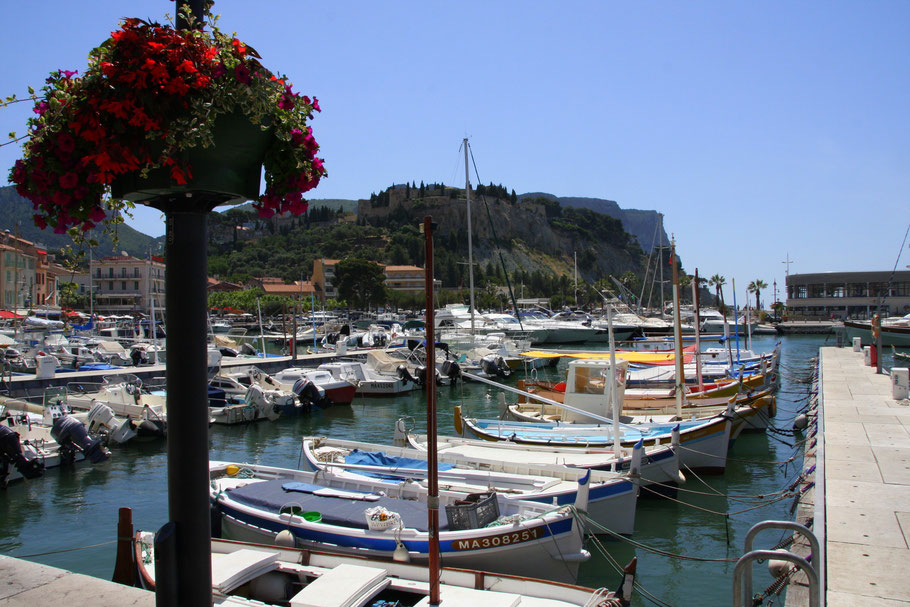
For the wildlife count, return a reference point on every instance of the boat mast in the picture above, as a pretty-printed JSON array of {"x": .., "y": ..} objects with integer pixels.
[
  {"x": 696, "y": 303},
  {"x": 661, "y": 262},
  {"x": 467, "y": 193},
  {"x": 677, "y": 333},
  {"x": 432, "y": 466},
  {"x": 614, "y": 401}
]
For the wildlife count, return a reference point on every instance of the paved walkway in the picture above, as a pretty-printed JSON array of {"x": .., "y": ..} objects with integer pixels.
[
  {"x": 27, "y": 584},
  {"x": 867, "y": 484}
]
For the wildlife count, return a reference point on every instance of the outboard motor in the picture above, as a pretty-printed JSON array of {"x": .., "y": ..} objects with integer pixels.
[
  {"x": 310, "y": 394},
  {"x": 421, "y": 375},
  {"x": 101, "y": 419},
  {"x": 452, "y": 370},
  {"x": 228, "y": 351},
  {"x": 11, "y": 453},
  {"x": 248, "y": 350},
  {"x": 495, "y": 366},
  {"x": 405, "y": 375},
  {"x": 71, "y": 436}
]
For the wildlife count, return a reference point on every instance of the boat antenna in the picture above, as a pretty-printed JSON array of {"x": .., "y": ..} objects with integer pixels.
[{"x": 432, "y": 466}]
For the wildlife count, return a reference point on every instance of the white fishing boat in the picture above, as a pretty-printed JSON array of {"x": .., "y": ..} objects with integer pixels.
[
  {"x": 358, "y": 517},
  {"x": 612, "y": 497},
  {"x": 252, "y": 574}
]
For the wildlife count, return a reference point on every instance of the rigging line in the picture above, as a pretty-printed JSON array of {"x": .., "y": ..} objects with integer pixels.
[
  {"x": 657, "y": 551},
  {"x": 733, "y": 459},
  {"x": 894, "y": 269},
  {"x": 496, "y": 240},
  {"x": 28, "y": 556}
]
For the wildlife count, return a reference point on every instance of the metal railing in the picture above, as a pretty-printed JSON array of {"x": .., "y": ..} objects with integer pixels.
[{"x": 742, "y": 573}]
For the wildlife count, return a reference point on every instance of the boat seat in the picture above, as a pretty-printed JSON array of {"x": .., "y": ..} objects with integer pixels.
[
  {"x": 341, "y": 586},
  {"x": 457, "y": 596},
  {"x": 231, "y": 570}
]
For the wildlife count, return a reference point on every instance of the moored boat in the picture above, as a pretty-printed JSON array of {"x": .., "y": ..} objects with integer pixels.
[{"x": 256, "y": 503}]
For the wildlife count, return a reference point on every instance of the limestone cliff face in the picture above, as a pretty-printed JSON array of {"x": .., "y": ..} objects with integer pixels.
[{"x": 522, "y": 232}]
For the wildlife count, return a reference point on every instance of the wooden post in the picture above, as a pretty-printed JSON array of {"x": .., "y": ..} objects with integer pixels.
[{"x": 125, "y": 566}]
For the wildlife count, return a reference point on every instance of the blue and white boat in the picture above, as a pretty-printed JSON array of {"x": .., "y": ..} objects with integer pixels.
[
  {"x": 612, "y": 496},
  {"x": 256, "y": 503}
]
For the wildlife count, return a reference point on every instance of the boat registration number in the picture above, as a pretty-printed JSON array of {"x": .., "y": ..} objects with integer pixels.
[{"x": 503, "y": 539}]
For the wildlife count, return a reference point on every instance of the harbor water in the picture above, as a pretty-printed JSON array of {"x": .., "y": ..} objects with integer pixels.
[{"x": 686, "y": 548}]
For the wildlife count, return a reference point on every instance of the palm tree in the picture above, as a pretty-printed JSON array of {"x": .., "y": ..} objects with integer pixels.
[
  {"x": 718, "y": 281},
  {"x": 755, "y": 287}
]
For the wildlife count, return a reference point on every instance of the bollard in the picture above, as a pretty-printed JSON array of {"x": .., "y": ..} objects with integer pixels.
[
  {"x": 867, "y": 355},
  {"x": 900, "y": 383},
  {"x": 857, "y": 344}
]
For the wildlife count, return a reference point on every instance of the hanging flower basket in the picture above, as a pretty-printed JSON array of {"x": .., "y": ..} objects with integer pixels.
[
  {"x": 160, "y": 112},
  {"x": 228, "y": 171}
]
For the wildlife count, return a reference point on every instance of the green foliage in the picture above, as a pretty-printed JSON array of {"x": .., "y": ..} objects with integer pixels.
[{"x": 360, "y": 282}]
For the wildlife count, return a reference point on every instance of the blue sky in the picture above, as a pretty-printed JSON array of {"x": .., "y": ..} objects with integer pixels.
[{"x": 759, "y": 129}]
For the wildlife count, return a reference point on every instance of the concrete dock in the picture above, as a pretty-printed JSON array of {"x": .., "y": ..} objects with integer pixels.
[
  {"x": 866, "y": 469},
  {"x": 26, "y": 584}
]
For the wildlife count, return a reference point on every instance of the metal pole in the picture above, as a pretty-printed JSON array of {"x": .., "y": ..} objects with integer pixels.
[
  {"x": 432, "y": 469},
  {"x": 187, "y": 402}
]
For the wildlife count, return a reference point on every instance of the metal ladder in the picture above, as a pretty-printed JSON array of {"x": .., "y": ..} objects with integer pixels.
[{"x": 742, "y": 572}]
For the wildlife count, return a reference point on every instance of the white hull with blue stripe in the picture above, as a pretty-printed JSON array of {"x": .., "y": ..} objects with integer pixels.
[
  {"x": 612, "y": 497},
  {"x": 256, "y": 503}
]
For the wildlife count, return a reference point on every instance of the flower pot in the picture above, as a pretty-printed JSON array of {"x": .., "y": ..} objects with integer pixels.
[{"x": 228, "y": 171}]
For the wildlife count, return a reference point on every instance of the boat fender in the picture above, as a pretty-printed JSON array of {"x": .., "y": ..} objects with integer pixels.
[
  {"x": 285, "y": 539},
  {"x": 401, "y": 552},
  {"x": 778, "y": 567},
  {"x": 401, "y": 431},
  {"x": 71, "y": 433},
  {"x": 11, "y": 453},
  {"x": 801, "y": 421}
]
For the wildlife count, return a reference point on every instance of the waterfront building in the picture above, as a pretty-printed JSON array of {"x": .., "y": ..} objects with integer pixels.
[
  {"x": 324, "y": 277},
  {"x": 122, "y": 284},
  {"x": 28, "y": 274},
  {"x": 847, "y": 295}
]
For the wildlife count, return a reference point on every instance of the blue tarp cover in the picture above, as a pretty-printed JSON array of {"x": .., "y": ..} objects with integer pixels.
[{"x": 384, "y": 460}]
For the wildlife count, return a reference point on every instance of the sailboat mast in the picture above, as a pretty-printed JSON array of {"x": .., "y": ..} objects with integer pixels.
[
  {"x": 661, "y": 263},
  {"x": 432, "y": 466},
  {"x": 616, "y": 408},
  {"x": 696, "y": 303},
  {"x": 677, "y": 334},
  {"x": 467, "y": 193}
]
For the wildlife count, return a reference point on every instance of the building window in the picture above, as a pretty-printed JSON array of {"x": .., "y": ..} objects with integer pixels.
[
  {"x": 136, "y": 272},
  {"x": 136, "y": 285},
  {"x": 110, "y": 284},
  {"x": 123, "y": 286},
  {"x": 110, "y": 273}
]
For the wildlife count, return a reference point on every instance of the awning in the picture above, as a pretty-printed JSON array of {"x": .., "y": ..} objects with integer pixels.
[{"x": 8, "y": 314}]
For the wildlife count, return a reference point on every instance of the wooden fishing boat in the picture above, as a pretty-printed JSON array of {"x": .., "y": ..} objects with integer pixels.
[
  {"x": 612, "y": 496},
  {"x": 256, "y": 503}
]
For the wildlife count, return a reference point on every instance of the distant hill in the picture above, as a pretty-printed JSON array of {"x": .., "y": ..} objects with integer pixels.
[
  {"x": 639, "y": 223},
  {"x": 16, "y": 216}
]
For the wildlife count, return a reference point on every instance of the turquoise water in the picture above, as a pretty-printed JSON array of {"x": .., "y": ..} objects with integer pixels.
[{"x": 68, "y": 518}]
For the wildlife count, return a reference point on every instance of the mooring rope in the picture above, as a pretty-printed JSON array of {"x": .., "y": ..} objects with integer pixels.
[{"x": 28, "y": 556}]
